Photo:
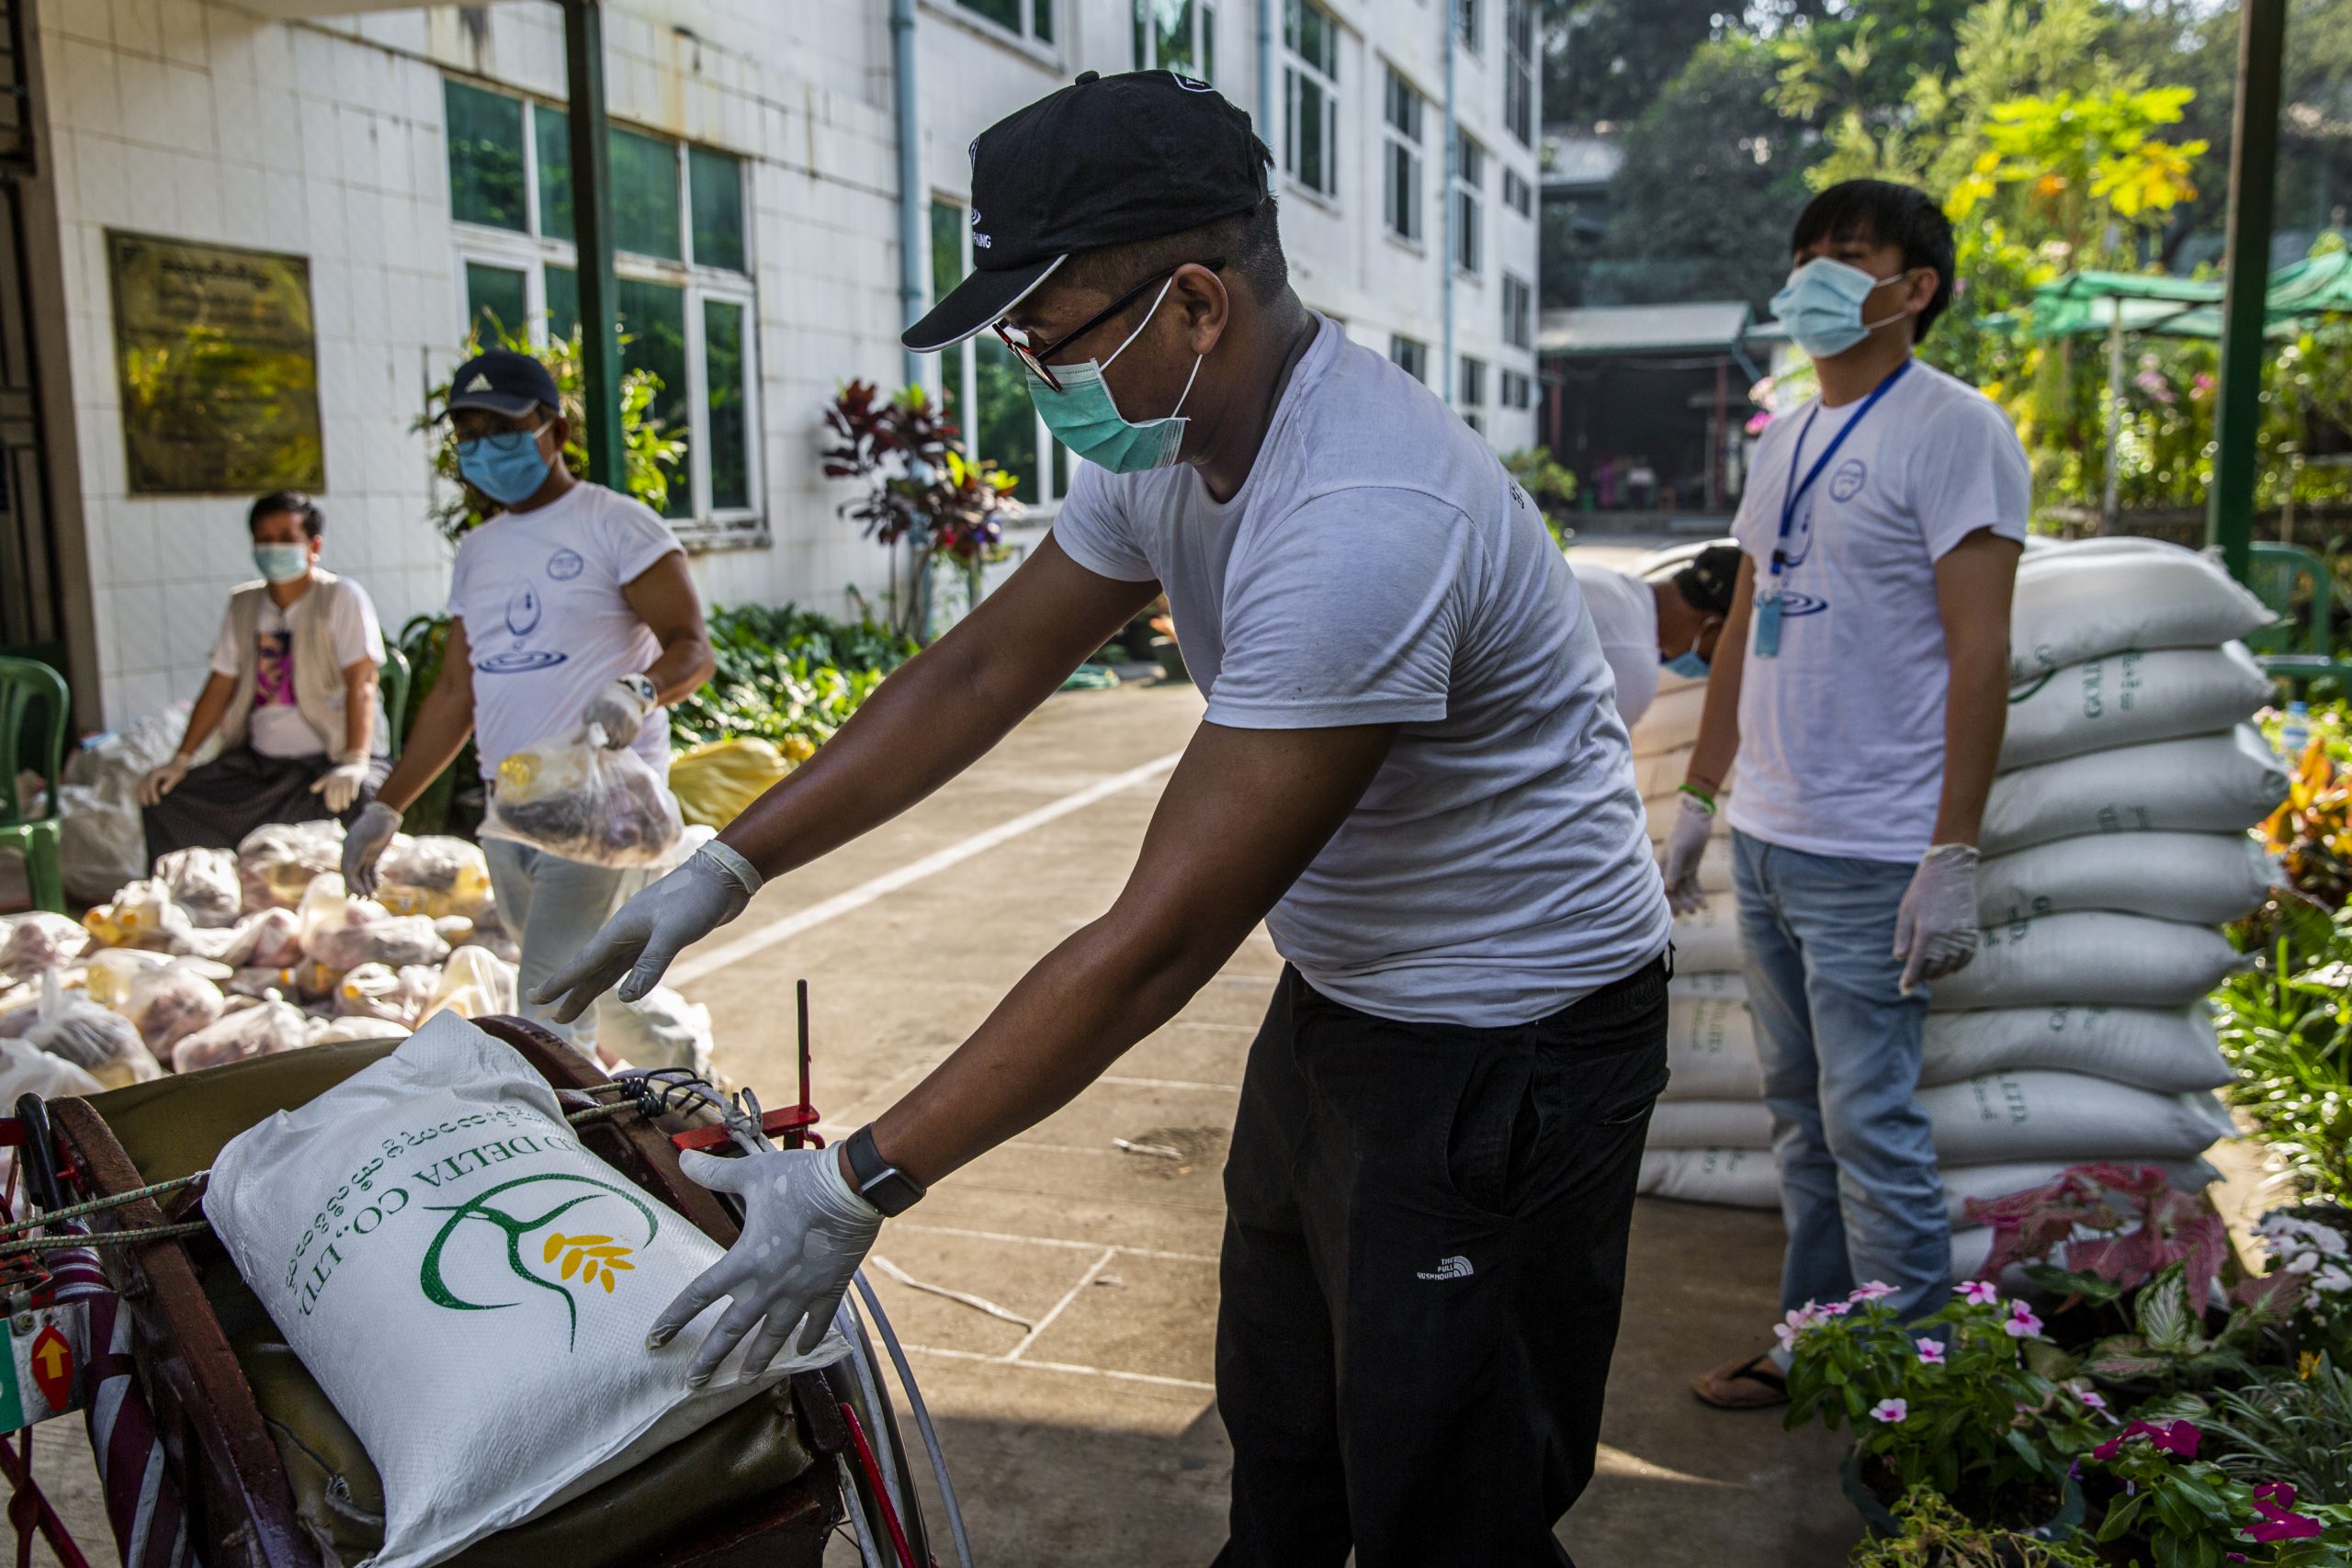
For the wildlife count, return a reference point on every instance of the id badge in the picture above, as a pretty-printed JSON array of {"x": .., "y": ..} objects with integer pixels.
[{"x": 1768, "y": 624}]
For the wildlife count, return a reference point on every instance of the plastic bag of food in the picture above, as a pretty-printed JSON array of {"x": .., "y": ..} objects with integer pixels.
[
  {"x": 475, "y": 984},
  {"x": 275, "y": 861},
  {"x": 715, "y": 781},
  {"x": 342, "y": 933},
  {"x": 344, "y": 1030},
  {"x": 454, "y": 930},
  {"x": 110, "y": 976},
  {"x": 40, "y": 941},
  {"x": 271, "y": 940},
  {"x": 581, "y": 799},
  {"x": 103, "y": 1045},
  {"x": 433, "y": 876},
  {"x": 17, "y": 1001},
  {"x": 24, "y": 1069},
  {"x": 172, "y": 1003},
  {"x": 660, "y": 1029},
  {"x": 264, "y": 1028},
  {"x": 144, "y": 914},
  {"x": 204, "y": 882},
  {"x": 377, "y": 990}
]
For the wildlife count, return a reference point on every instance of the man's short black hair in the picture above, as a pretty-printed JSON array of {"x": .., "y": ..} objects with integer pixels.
[
  {"x": 293, "y": 500},
  {"x": 1882, "y": 212},
  {"x": 1249, "y": 243}
]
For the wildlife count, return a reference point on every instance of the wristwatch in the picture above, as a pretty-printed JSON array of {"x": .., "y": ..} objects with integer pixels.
[{"x": 878, "y": 1182}]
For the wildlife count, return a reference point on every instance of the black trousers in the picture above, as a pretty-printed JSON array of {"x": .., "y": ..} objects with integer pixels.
[
  {"x": 217, "y": 805},
  {"x": 1424, "y": 1256}
]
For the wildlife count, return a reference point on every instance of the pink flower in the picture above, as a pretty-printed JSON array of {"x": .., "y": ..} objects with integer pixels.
[
  {"x": 2275, "y": 1502},
  {"x": 1980, "y": 1292},
  {"x": 2022, "y": 1324},
  {"x": 1872, "y": 1291},
  {"x": 2092, "y": 1399},
  {"x": 2181, "y": 1440},
  {"x": 1931, "y": 1352},
  {"x": 1890, "y": 1411},
  {"x": 1836, "y": 1309}
]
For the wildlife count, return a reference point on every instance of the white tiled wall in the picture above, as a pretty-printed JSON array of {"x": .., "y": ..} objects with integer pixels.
[{"x": 197, "y": 120}]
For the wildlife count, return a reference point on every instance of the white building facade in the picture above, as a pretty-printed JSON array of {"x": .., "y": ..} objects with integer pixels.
[{"x": 416, "y": 161}]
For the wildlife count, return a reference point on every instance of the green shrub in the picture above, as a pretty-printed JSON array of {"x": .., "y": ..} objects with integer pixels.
[{"x": 787, "y": 675}]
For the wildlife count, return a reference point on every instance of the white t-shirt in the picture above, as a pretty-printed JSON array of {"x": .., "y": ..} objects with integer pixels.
[
  {"x": 1841, "y": 735},
  {"x": 1624, "y": 614},
  {"x": 276, "y": 727},
  {"x": 1379, "y": 566},
  {"x": 547, "y": 622}
]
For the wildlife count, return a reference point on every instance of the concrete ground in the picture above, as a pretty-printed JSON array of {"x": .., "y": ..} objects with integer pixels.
[{"x": 1078, "y": 1416}]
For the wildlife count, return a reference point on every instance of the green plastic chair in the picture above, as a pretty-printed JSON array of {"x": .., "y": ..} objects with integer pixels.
[
  {"x": 25, "y": 684},
  {"x": 392, "y": 690},
  {"x": 2297, "y": 586}
]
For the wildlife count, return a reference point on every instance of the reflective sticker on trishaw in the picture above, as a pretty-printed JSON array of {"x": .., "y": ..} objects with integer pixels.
[{"x": 48, "y": 1357}]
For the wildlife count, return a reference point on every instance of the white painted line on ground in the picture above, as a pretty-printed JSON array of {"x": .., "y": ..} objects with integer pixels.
[
  {"x": 1053, "y": 1241},
  {"x": 1048, "y": 1321},
  {"x": 1170, "y": 1083},
  {"x": 1073, "y": 1366},
  {"x": 703, "y": 964}
]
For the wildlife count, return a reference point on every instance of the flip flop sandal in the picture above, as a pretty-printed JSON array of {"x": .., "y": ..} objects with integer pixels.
[{"x": 1752, "y": 1384}]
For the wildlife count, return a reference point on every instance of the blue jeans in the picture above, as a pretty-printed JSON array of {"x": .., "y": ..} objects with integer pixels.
[
  {"x": 552, "y": 905},
  {"x": 1840, "y": 1047}
]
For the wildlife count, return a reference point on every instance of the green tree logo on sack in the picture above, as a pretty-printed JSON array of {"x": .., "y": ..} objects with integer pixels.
[{"x": 589, "y": 1261}]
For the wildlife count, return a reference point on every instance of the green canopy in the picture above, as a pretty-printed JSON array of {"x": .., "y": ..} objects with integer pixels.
[{"x": 2091, "y": 304}]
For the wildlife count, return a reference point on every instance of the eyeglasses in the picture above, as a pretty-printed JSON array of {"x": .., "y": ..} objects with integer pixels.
[{"x": 1034, "y": 359}]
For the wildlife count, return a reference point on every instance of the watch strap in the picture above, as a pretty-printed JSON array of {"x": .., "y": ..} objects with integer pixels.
[{"x": 878, "y": 1182}]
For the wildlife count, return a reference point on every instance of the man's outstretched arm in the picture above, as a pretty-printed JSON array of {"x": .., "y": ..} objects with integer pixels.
[{"x": 1244, "y": 814}]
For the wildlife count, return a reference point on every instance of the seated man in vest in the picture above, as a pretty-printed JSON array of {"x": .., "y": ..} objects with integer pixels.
[{"x": 292, "y": 693}]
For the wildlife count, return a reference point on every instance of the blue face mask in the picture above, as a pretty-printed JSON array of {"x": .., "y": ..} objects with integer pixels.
[
  {"x": 1821, "y": 305},
  {"x": 282, "y": 563},
  {"x": 1689, "y": 665},
  {"x": 1083, "y": 417},
  {"x": 507, "y": 467}
]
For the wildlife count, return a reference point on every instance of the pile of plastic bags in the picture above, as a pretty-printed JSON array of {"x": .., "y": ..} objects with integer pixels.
[{"x": 221, "y": 954}]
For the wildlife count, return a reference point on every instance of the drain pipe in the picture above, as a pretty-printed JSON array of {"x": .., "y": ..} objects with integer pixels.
[
  {"x": 1267, "y": 129},
  {"x": 1445, "y": 262},
  {"x": 914, "y": 209}
]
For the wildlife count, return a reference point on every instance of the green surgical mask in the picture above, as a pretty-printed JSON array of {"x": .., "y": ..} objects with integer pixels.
[
  {"x": 282, "y": 563},
  {"x": 1083, "y": 417}
]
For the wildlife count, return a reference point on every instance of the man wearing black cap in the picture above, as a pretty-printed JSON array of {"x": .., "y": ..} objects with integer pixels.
[
  {"x": 1639, "y": 620},
  {"x": 1410, "y": 770},
  {"x": 570, "y": 606}
]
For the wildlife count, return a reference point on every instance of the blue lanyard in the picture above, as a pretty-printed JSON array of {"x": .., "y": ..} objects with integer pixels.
[{"x": 1797, "y": 489}]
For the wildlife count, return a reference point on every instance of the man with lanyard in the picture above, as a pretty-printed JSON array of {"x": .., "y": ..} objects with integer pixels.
[
  {"x": 1410, "y": 768},
  {"x": 1861, "y": 684},
  {"x": 1638, "y": 621},
  {"x": 570, "y": 606}
]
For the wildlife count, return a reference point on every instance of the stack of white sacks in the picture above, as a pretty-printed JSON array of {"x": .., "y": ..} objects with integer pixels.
[{"x": 2115, "y": 843}]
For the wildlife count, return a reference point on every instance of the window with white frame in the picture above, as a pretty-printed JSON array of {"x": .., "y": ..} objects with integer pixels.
[
  {"x": 1470, "y": 23},
  {"x": 1518, "y": 194},
  {"x": 684, "y": 298},
  {"x": 1519, "y": 313},
  {"x": 1311, "y": 98},
  {"x": 1410, "y": 354},
  {"x": 1518, "y": 390},
  {"x": 983, "y": 389},
  {"x": 1466, "y": 164},
  {"x": 1401, "y": 173},
  {"x": 1519, "y": 69},
  {"x": 1023, "y": 18},
  {"x": 1177, "y": 35}
]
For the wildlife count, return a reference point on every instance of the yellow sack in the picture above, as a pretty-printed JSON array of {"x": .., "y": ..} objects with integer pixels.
[{"x": 715, "y": 781}]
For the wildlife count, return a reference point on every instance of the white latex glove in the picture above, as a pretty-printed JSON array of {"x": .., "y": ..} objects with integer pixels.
[
  {"x": 1678, "y": 857},
  {"x": 161, "y": 782},
  {"x": 363, "y": 843},
  {"x": 648, "y": 932},
  {"x": 620, "y": 707},
  {"x": 805, "y": 1232},
  {"x": 1935, "y": 930},
  {"x": 341, "y": 785}
]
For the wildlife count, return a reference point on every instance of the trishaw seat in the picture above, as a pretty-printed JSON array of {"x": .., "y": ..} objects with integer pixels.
[{"x": 174, "y": 1126}]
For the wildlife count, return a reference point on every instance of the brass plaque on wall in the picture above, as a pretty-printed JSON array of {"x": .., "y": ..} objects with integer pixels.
[{"x": 219, "y": 367}]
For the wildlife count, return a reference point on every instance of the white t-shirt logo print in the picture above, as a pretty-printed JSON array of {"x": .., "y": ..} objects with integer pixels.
[
  {"x": 480, "y": 383},
  {"x": 1455, "y": 1267}
]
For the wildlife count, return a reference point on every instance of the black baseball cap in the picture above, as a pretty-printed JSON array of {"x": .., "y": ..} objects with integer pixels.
[
  {"x": 1708, "y": 583},
  {"x": 503, "y": 382},
  {"x": 1106, "y": 161}
]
